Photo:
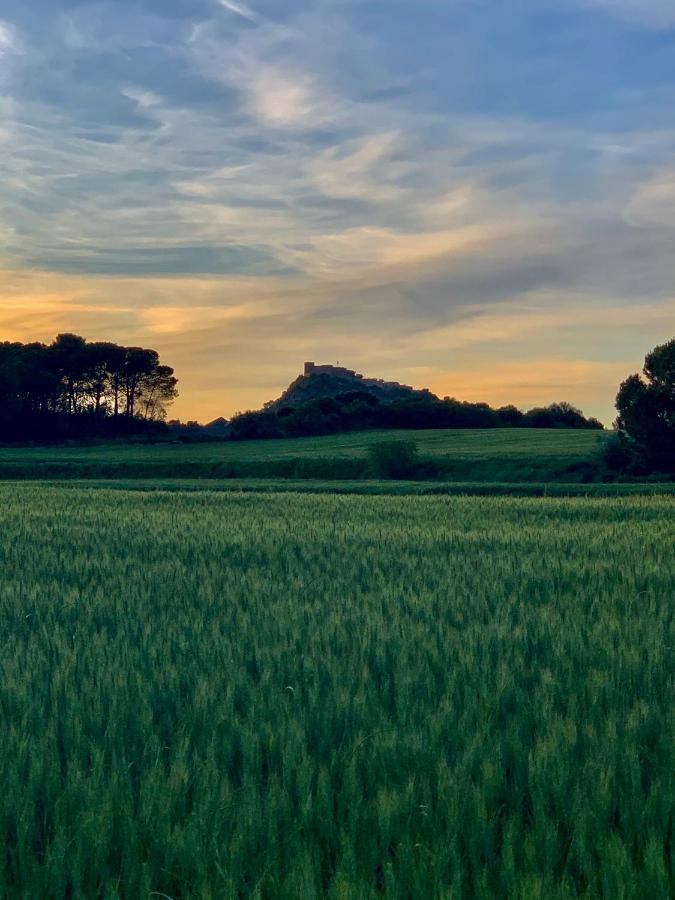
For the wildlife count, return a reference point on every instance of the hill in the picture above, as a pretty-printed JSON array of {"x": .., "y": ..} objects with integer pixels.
[
  {"x": 332, "y": 399},
  {"x": 334, "y": 381}
]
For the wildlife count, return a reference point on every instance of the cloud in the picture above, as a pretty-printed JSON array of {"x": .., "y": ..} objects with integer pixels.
[
  {"x": 184, "y": 319},
  {"x": 652, "y": 13},
  {"x": 535, "y": 382},
  {"x": 11, "y": 49},
  {"x": 239, "y": 9},
  {"x": 270, "y": 68},
  {"x": 545, "y": 314},
  {"x": 375, "y": 254},
  {"x": 368, "y": 169},
  {"x": 180, "y": 261},
  {"x": 283, "y": 99},
  {"x": 9, "y": 41},
  {"x": 653, "y": 202},
  {"x": 142, "y": 98},
  {"x": 73, "y": 35}
]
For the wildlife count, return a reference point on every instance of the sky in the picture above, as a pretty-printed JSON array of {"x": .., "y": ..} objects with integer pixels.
[{"x": 475, "y": 196}]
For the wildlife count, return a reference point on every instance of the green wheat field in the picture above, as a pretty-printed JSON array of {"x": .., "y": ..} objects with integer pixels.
[
  {"x": 292, "y": 695},
  {"x": 465, "y": 455}
]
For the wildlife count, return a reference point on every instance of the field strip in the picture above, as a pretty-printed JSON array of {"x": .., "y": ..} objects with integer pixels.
[{"x": 365, "y": 488}]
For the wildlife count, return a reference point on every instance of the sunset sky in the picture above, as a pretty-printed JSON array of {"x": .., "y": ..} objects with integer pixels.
[{"x": 477, "y": 196}]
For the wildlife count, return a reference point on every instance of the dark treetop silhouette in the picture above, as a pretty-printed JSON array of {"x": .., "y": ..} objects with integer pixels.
[
  {"x": 75, "y": 389},
  {"x": 646, "y": 421}
]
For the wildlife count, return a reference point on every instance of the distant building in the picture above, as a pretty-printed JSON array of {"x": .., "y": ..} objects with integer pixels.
[{"x": 311, "y": 368}]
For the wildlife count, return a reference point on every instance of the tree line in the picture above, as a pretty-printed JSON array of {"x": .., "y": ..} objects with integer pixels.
[
  {"x": 361, "y": 410},
  {"x": 77, "y": 389},
  {"x": 74, "y": 388}
]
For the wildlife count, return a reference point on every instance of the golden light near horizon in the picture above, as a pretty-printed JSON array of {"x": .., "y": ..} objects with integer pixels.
[{"x": 236, "y": 344}]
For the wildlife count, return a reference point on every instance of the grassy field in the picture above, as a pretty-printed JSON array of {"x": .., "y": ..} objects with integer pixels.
[
  {"x": 465, "y": 443},
  {"x": 222, "y": 695},
  {"x": 463, "y": 455},
  {"x": 373, "y": 487}
]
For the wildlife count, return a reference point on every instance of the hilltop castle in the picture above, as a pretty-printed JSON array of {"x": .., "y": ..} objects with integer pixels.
[
  {"x": 311, "y": 368},
  {"x": 331, "y": 381}
]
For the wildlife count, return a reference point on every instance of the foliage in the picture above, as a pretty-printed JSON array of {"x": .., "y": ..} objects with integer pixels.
[
  {"x": 646, "y": 406},
  {"x": 619, "y": 454},
  {"x": 217, "y": 695},
  {"x": 393, "y": 459},
  {"x": 358, "y": 411},
  {"x": 559, "y": 415},
  {"x": 72, "y": 388}
]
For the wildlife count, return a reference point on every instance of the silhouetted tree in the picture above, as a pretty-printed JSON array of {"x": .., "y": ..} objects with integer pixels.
[
  {"x": 70, "y": 358},
  {"x": 646, "y": 407},
  {"x": 559, "y": 415},
  {"x": 155, "y": 390},
  {"x": 73, "y": 388},
  {"x": 99, "y": 358},
  {"x": 510, "y": 416},
  {"x": 138, "y": 363}
]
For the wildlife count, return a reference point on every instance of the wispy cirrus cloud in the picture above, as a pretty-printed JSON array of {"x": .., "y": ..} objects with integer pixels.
[
  {"x": 11, "y": 48},
  {"x": 370, "y": 169},
  {"x": 286, "y": 99},
  {"x": 9, "y": 39},
  {"x": 240, "y": 9},
  {"x": 263, "y": 69},
  {"x": 142, "y": 98},
  {"x": 653, "y": 202}
]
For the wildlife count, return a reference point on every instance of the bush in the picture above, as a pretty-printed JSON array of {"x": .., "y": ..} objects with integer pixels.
[
  {"x": 617, "y": 454},
  {"x": 393, "y": 459}
]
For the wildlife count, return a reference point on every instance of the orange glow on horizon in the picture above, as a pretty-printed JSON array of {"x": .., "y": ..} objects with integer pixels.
[{"x": 236, "y": 343}]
